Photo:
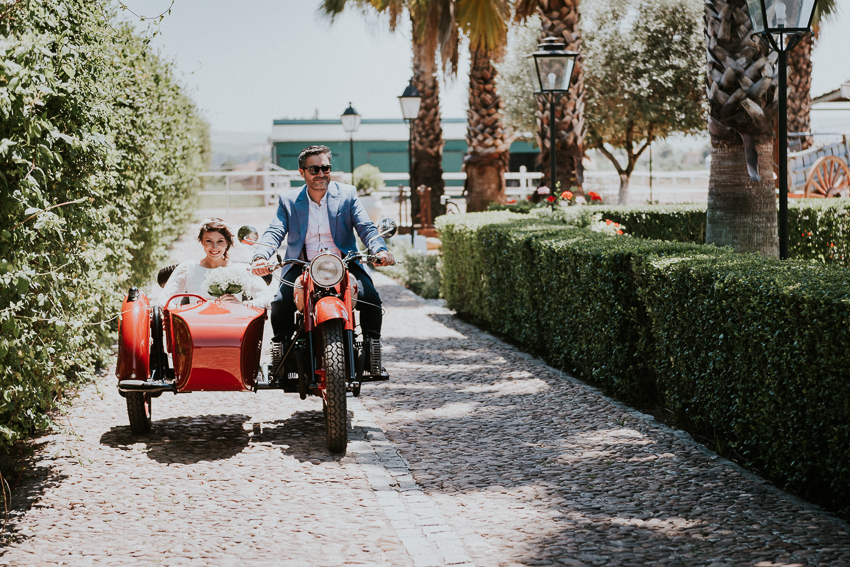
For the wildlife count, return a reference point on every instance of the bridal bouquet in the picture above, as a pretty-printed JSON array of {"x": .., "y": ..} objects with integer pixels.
[{"x": 227, "y": 280}]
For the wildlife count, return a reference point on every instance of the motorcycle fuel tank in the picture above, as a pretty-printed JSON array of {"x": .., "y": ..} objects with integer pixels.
[{"x": 216, "y": 345}]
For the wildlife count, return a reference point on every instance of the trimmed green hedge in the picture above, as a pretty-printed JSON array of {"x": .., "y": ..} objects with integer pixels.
[
  {"x": 750, "y": 350},
  {"x": 819, "y": 229},
  {"x": 757, "y": 351},
  {"x": 99, "y": 150}
]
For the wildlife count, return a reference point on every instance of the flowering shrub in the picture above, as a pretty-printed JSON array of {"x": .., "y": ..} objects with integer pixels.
[
  {"x": 607, "y": 226},
  {"x": 594, "y": 196}
]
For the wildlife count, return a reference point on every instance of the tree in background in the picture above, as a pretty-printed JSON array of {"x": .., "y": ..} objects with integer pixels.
[
  {"x": 514, "y": 81},
  {"x": 560, "y": 19},
  {"x": 742, "y": 98},
  {"x": 431, "y": 24},
  {"x": 643, "y": 70},
  {"x": 800, "y": 74},
  {"x": 485, "y": 24}
]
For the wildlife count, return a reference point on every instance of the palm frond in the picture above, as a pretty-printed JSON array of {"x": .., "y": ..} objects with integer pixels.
[
  {"x": 525, "y": 9},
  {"x": 484, "y": 22}
]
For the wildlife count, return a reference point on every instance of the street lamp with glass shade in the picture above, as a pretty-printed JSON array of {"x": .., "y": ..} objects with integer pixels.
[
  {"x": 781, "y": 24},
  {"x": 410, "y": 100},
  {"x": 551, "y": 68},
  {"x": 350, "y": 123}
]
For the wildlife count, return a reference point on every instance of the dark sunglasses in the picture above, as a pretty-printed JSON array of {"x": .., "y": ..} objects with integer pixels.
[{"x": 314, "y": 169}]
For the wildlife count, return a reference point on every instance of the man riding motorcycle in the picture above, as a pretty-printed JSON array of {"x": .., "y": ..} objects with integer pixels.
[{"x": 320, "y": 217}]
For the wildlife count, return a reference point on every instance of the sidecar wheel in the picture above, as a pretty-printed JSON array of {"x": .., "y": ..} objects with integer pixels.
[
  {"x": 333, "y": 356},
  {"x": 139, "y": 412}
]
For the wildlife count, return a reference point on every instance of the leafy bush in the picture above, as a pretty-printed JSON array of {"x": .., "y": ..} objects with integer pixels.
[
  {"x": 99, "y": 148},
  {"x": 750, "y": 349},
  {"x": 418, "y": 272},
  {"x": 367, "y": 178},
  {"x": 522, "y": 206},
  {"x": 819, "y": 229}
]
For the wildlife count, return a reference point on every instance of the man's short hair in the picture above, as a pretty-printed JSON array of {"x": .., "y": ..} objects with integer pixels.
[{"x": 312, "y": 151}]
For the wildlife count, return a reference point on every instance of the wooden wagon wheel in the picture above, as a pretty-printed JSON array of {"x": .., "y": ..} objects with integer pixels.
[{"x": 829, "y": 176}]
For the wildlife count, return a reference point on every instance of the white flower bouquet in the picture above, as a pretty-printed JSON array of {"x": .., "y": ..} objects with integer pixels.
[{"x": 226, "y": 280}]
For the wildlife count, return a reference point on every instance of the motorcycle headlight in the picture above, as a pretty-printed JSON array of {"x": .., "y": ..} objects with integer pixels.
[{"x": 326, "y": 270}]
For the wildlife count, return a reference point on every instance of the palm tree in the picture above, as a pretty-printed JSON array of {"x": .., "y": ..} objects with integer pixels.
[
  {"x": 484, "y": 22},
  {"x": 741, "y": 89},
  {"x": 800, "y": 75},
  {"x": 560, "y": 18},
  {"x": 428, "y": 24}
]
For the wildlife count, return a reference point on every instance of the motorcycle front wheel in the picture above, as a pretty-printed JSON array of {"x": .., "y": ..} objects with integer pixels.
[{"x": 333, "y": 358}]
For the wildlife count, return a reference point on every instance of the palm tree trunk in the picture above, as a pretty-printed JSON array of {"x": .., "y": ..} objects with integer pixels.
[
  {"x": 488, "y": 150},
  {"x": 427, "y": 147},
  {"x": 741, "y": 212},
  {"x": 560, "y": 18},
  {"x": 741, "y": 89},
  {"x": 800, "y": 90}
]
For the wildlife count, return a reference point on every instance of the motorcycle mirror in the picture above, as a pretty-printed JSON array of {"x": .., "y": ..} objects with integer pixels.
[
  {"x": 248, "y": 234},
  {"x": 387, "y": 227}
]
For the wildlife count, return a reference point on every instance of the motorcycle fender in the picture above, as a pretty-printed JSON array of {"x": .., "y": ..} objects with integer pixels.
[
  {"x": 329, "y": 308},
  {"x": 134, "y": 339}
]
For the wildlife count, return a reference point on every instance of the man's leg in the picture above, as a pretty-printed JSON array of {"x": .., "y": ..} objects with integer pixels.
[
  {"x": 283, "y": 306},
  {"x": 370, "y": 315}
]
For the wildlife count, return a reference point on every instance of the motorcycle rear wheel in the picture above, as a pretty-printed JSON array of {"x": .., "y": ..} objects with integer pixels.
[
  {"x": 139, "y": 412},
  {"x": 333, "y": 358}
]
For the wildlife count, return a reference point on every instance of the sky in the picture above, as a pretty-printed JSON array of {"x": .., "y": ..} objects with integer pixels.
[{"x": 248, "y": 62}]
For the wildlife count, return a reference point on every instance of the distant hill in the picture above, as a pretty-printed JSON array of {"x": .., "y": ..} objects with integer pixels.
[{"x": 230, "y": 148}]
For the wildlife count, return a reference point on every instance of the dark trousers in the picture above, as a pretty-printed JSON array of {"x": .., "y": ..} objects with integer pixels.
[{"x": 283, "y": 306}]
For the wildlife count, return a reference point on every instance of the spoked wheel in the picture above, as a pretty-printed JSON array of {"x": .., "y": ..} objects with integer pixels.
[
  {"x": 139, "y": 412},
  {"x": 829, "y": 176},
  {"x": 336, "y": 410}
]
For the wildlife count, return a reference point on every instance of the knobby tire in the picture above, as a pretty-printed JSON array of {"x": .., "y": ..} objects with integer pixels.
[
  {"x": 139, "y": 412},
  {"x": 333, "y": 358}
]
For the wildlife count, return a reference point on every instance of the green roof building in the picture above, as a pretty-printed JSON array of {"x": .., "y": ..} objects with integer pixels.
[{"x": 381, "y": 142}]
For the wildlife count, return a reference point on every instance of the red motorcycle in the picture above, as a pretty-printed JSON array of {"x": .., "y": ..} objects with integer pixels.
[{"x": 216, "y": 345}]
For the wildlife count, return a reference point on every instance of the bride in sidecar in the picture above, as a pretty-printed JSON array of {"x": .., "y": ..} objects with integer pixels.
[{"x": 193, "y": 276}]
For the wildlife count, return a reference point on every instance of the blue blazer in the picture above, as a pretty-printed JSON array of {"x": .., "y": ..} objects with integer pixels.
[{"x": 345, "y": 214}]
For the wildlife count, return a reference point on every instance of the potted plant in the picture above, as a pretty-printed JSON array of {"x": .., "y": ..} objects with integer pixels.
[{"x": 368, "y": 181}]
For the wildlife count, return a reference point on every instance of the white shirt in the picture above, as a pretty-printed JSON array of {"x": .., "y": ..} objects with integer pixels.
[
  {"x": 188, "y": 277},
  {"x": 319, "y": 238}
]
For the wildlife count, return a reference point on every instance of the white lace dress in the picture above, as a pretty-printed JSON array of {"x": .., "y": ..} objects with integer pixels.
[{"x": 188, "y": 277}]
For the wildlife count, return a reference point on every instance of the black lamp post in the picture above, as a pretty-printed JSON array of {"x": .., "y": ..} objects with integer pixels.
[
  {"x": 410, "y": 100},
  {"x": 781, "y": 25},
  {"x": 350, "y": 123},
  {"x": 551, "y": 69}
]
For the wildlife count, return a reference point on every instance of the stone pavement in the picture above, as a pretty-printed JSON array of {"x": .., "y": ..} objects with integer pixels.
[{"x": 474, "y": 454}]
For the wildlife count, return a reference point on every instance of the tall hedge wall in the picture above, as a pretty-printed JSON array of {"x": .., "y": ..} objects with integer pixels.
[
  {"x": 99, "y": 150},
  {"x": 749, "y": 349}
]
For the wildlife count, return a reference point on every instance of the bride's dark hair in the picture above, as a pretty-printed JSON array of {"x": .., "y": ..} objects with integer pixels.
[{"x": 215, "y": 224}]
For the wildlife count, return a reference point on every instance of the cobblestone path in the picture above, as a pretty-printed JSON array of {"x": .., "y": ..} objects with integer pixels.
[{"x": 474, "y": 454}]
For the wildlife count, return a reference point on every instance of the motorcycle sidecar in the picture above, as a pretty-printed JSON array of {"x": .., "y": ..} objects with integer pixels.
[{"x": 214, "y": 346}]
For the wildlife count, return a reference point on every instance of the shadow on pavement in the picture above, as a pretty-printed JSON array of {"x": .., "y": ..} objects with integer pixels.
[
  {"x": 186, "y": 439},
  {"x": 587, "y": 482},
  {"x": 301, "y": 436},
  {"x": 36, "y": 478}
]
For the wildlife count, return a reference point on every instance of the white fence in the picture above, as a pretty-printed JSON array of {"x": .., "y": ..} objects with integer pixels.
[{"x": 663, "y": 186}]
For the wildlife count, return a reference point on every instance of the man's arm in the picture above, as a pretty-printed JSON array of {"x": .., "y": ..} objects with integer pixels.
[
  {"x": 274, "y": 234},
  {"x": 270, "y": 241}
]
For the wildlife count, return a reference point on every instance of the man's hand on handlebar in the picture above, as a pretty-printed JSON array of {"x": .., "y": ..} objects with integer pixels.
[
  {"x": 384, "y": 258},
  {"x": 260, "y": 267}
]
